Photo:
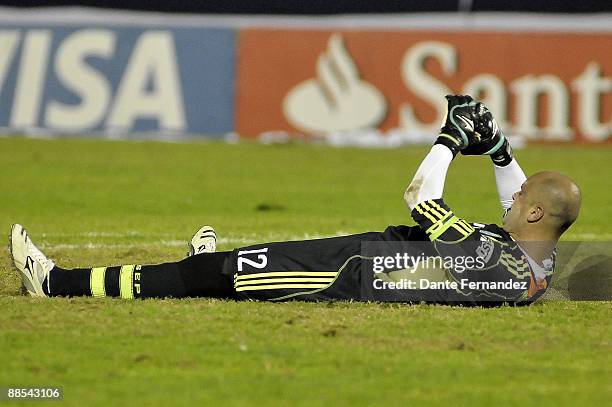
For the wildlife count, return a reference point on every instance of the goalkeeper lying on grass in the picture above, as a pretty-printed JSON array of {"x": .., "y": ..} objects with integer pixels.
[{"x": 513, "y": 263}]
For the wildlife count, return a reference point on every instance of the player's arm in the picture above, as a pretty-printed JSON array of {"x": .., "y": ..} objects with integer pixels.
[
  {"x": 508, "y": 174},
  {"x": 509, "y": 180},
  {"x": 456, "y": 134},
  {"x": 440, "y": 223},
  {"x": 428, "y": 182}
]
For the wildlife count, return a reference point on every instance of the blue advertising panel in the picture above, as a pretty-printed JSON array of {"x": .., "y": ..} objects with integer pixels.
[{"x": 116, "y": 80}]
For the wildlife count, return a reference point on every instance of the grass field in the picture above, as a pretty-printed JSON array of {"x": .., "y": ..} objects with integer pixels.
[{"x": 92, "y": 202}]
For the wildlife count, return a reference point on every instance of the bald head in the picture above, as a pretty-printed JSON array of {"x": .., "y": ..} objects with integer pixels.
[
  {"x": 545, "y": 207},
  {"x": 559, "y": 196}
]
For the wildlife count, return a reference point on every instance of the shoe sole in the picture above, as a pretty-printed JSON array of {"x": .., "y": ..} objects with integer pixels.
[{"x": 24, "y": 290}]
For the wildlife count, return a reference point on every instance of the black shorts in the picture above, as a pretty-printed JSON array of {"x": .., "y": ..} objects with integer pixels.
[{"x": 310, "y": 270}]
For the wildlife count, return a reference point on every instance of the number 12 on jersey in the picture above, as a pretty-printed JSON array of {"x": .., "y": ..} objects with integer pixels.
[{"x": 253, "y": 258}]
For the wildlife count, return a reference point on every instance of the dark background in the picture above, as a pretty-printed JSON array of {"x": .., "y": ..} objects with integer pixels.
[{"x": 329, "y": 6}]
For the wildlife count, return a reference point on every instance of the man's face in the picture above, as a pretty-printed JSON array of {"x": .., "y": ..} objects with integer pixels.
[{"x": 544, "y": 192}]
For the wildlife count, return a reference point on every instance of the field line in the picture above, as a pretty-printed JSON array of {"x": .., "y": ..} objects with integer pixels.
[
  {"x": 157, "y": 243},
  {"x": 588, "y": 236},
  {"x": 166, "y": 240}
]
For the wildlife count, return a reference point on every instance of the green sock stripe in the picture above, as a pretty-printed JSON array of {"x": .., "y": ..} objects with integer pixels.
[
  {"x": 96, "y": 282},
  {"x": 126, "y": 280}
]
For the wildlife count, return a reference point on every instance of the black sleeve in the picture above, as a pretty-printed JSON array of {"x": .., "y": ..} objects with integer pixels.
[{"x": 440, "y": 223}]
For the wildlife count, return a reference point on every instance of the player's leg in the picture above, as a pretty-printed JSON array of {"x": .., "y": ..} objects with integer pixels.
[{"x": 196, "y": 276}]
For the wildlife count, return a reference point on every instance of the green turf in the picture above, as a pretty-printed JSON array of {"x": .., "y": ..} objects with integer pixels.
[{"x": 95, "y": 203}]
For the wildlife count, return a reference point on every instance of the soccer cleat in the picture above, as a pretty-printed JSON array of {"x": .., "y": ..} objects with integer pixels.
[
  {"x": 203, "y": 241},
  {"x": 33, "y": 266}
]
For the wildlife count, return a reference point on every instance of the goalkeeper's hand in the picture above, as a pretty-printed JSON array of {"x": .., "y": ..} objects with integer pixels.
[
  {"x": 489, "y": 138},
  {"x": 458, "y": 130}
]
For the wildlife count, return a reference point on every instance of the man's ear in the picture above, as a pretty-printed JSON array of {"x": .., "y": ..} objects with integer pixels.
[{"x": 535, "y": 213}]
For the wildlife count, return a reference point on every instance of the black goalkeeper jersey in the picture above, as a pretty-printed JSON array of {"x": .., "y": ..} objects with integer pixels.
[{"x": 345, "y": 267}]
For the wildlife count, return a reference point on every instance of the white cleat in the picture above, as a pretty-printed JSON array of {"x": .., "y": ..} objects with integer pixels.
[
  {"x": 203, "y": 241},
  {"x": 33, "y": 266}
]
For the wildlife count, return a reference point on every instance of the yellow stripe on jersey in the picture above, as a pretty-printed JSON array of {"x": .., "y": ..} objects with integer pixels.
[
  {"x": 287, "y": 273},
  {"x": 520, "y": 270},
  {"x": 420, "y": 210},
  {"x": 126, "y": 279},
  {"x": 442, "y": 227},
  {"x": 514, "y": 271},
  {"x": 462, "y": 228},
  {"x": 276, "y": 280},
  {"x": 442, "y": 219},
  {"x": 96, "y": 282},
  {"x": 440, "y": 208},
  {"x": 311, "y": 289},
  {"x": 306, "y": 280},
  {"x": 466, "y": 226},
  {"x": 519, "y": 264},
  {"x": 431, "y": 210},
  {"x": 280, "y": 286}
]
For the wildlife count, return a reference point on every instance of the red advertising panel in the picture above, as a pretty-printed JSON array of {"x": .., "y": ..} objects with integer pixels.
[{"x": 545, "y": 86}]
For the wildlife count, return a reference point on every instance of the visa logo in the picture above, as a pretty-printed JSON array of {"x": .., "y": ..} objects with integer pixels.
[{"x": 90, "y": 79}]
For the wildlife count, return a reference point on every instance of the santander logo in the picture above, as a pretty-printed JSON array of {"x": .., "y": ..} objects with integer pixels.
[{"x": 337, "y": 99}]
